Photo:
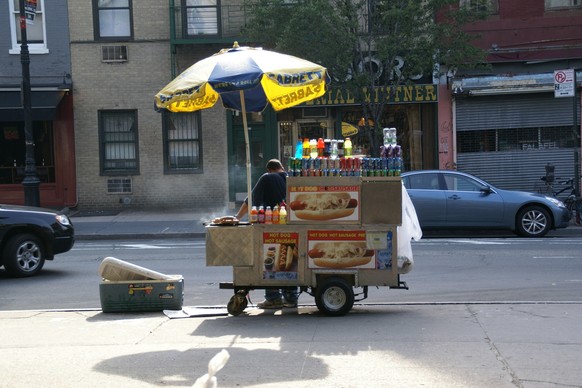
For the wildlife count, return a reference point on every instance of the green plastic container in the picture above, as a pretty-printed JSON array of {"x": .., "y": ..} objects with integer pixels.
[{"x": 142, "y": 295}]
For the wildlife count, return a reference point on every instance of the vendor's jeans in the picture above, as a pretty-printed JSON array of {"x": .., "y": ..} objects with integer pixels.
[{"x": 290, "y": 296}]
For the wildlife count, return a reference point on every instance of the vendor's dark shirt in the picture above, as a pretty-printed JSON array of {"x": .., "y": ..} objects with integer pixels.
[{"x": 270, "y": 190}]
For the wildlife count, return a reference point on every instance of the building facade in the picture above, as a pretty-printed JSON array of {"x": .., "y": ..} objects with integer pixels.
[
  {"x": 128, "y": 154},
  {"x": 507, "y": 122},
  {"x": 51, "y": 104}
]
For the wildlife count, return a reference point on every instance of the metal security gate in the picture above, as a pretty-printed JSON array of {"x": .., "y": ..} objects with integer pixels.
[{"x": 517, "y": 166}]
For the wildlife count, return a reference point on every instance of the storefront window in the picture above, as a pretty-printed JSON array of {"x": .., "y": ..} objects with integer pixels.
[
  {"x": 407, "y": 121},
  {"x": 13, "y": 152}
]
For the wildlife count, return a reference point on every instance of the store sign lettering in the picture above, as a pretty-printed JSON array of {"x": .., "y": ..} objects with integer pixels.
[
  {"x": 390, "y": 94},
  {"x": 541, "y": 146}
]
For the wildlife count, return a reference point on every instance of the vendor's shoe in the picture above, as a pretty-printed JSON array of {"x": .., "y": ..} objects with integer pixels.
[
  {"x": 290, "y": 303},
  {"x": 270, "y": 304}
]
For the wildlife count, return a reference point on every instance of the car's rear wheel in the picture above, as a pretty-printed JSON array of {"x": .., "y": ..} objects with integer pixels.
[
  {"x": 533, "y": 221},
  {"x": 23, "y": 255}
]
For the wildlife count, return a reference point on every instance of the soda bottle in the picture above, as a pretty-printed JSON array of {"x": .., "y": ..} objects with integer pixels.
[
  {"x": 348, "y": 148},
  {"x": 283, "y": 214},
  {"x": 261, "y": 215},
  {"x": 254, "y": 215},
  {"x": 299, "y": 149},
  {"x": 313, "y": 148},
  {"x": 334, "y": 149},
  {"x": 305, "y": 148},
  {"x": 320, "y": 147},
  {"x": 276, "y": 213},
  {"x": 327, "y": 147},
  {"x": 268, "y": 215}
]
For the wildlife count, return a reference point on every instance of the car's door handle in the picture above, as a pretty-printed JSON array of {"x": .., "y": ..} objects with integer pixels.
[{"x": 454, "y": 196}]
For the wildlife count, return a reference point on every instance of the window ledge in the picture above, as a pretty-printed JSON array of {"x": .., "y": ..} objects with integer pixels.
[{"x": 30, "y": 51}]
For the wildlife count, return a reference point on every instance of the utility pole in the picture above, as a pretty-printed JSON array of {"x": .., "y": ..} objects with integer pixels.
[{"x": 31, "y": 181}]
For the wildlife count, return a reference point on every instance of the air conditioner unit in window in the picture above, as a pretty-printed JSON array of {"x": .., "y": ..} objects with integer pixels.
[{"x": 114, "y": 53}]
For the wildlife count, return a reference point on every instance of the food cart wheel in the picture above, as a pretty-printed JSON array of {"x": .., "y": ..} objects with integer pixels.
[
  {"x": 237, "y": 303},
  {"x": 334, "y": 297}
]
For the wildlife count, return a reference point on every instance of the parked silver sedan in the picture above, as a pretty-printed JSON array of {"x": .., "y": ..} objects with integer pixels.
[{"x": 446, "y": 199}]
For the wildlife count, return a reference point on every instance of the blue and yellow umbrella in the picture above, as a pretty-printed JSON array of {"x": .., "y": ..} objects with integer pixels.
[{"x": 245, "y": 79}]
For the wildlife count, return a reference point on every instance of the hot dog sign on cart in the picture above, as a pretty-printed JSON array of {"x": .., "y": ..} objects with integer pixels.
[
  {"x": 324, "y": 203},
  {"x": 339, "y": 249},
  {"x": 280, "y": 252}
]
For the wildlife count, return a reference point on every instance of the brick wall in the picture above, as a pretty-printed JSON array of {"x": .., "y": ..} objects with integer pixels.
[{"x": 132, "y": 85}]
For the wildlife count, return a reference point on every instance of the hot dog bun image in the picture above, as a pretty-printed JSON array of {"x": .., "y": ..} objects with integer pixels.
[
  {"x": 323, "y": 206},
  {"x": 285, "y": 256},
  {"x": 340, "y": 254}
]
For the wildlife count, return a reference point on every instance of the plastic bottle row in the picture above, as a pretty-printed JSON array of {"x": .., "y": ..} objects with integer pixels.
[
  {"x": 276, "y": 215},
  {"x": 323, "y": 148}
]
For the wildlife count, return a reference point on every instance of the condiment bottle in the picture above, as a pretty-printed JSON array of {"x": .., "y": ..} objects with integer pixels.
[
  {"x": 306, "y": 148},
  {"x": 276, "y": 213},
  {"x": 313, "y": 148},
  {"x": 254, "y": 215},
  {"x": 348, "y": 148},
  {"x": 268, "y": 215},
  {"x": 283, "y": 214},
  {"x": 261, "y": 215},
  {"x": 320, "y": 147}
]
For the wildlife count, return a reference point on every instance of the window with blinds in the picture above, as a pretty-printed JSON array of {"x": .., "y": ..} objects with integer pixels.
[
  {"x": 182, "y": 142},
  {"x": 118, "y": 142}
]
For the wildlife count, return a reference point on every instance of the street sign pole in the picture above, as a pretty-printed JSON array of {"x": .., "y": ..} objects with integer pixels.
[{"x": 31, "y": 181}]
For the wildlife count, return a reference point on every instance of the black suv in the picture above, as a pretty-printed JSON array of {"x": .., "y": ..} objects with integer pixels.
[{"x": 31, "y": 235}]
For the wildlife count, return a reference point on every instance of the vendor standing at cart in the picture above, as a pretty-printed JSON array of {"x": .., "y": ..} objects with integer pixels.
[{"x": 270, "y": 190}]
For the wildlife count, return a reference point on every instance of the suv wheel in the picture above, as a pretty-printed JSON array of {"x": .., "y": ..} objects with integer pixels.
[{"x": 23, "y": 256}]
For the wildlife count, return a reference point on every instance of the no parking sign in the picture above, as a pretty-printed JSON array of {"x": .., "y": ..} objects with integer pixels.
[{"x": 564, "y": 83}]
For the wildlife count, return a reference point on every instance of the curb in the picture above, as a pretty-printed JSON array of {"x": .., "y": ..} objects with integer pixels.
[{"x": 138, "y": 236}]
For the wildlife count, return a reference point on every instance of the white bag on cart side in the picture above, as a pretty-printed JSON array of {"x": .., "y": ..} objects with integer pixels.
[{"x": 409, "y": 230}]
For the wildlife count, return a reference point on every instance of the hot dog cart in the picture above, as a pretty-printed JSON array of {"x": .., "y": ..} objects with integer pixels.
[{"x": 323, "y": 256}]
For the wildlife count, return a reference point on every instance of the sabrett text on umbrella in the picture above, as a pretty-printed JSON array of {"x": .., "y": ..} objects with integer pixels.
[
  {"x": 297, "y": 78},
  {"x": 298, "y": 95}
]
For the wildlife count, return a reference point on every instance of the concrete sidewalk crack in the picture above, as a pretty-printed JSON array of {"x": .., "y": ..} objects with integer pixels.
[{"x": 514, "y": 378}]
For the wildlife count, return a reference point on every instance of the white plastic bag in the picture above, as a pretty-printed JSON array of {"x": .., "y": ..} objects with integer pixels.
[
  {"x": 410, "y": 229},
  {"x": 216, "y": 363}
]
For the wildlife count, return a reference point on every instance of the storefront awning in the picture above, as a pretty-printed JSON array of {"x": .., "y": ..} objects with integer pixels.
[
  {"x": 505, "y": 84},
  {"x": 44, "y": 104}
]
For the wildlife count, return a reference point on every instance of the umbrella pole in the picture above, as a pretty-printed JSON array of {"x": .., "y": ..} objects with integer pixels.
[{"x": 248, "y": 152}]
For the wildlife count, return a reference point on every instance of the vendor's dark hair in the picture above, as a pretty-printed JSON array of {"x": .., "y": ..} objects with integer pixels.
[{"x": 274, "y": 164}]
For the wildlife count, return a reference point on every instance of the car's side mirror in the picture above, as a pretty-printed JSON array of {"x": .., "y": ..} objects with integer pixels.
[{"x": 486, "y": 190}]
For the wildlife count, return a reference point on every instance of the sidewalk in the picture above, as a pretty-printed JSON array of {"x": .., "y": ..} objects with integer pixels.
[
  {"x": 140, "y": 224},
  {"x": 390, "y": 345}
]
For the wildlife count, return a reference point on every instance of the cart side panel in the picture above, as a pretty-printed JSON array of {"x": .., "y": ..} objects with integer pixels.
[
  {"x": 382, "y": 201},
  {"x": 229, "y": 246}
]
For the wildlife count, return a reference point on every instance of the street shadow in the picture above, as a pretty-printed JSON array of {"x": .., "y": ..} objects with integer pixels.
[
  {"x": 182, "y": 368},
  {"x": 266, "y": 346}
]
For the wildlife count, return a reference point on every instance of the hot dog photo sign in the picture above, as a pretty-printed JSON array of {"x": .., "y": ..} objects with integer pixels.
[
  {"x": 339, "y": 249},
  {"x": 280, "y": 255},
  {"x": 324, "y": 203}
]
